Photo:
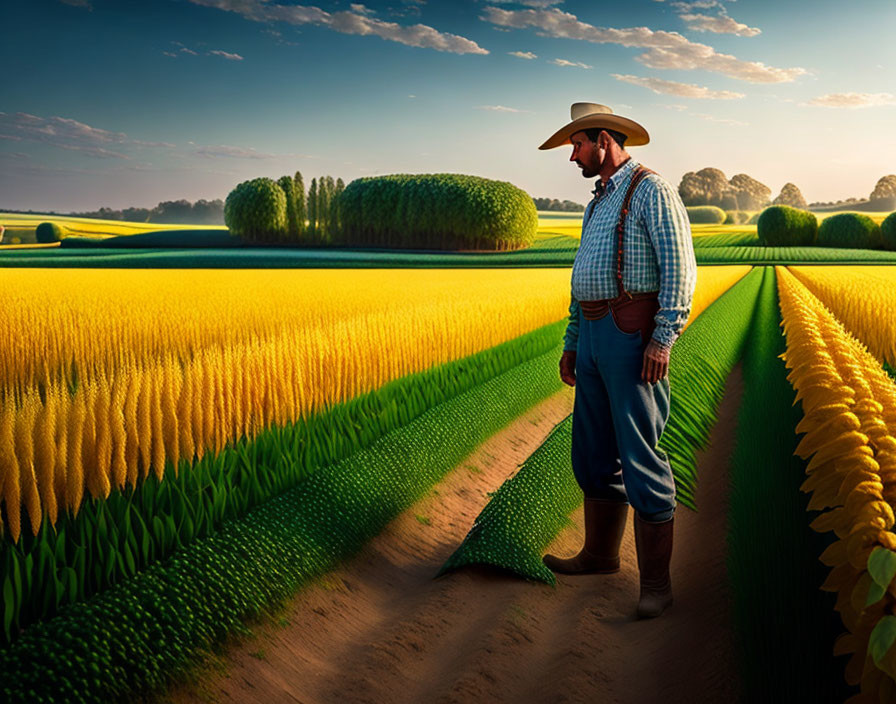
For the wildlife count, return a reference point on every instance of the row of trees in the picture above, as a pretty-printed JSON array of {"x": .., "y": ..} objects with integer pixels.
[
  {"x": 566, "y": 206},
  {"x": 263, "y": 210},
  {"x": 710, "y": 186},
  {"x": 202, "y": 212}
]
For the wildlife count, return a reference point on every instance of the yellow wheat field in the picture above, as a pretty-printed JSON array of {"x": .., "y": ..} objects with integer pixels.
[
  {"x": 105, "y": 374},
  {"x": 849, "y": 422},
  {"x": 863, "y": 298}
]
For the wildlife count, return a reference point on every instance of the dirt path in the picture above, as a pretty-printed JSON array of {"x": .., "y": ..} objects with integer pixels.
[{"x": 381, "y": 630}]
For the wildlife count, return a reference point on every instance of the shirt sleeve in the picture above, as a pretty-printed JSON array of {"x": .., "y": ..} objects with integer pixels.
[
  {"x": 669, "y": 230},
  {"x": 571, "y": 338}
]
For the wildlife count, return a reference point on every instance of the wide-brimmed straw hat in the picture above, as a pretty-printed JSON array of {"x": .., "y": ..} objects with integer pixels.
[{"x": 592, "y": 115}]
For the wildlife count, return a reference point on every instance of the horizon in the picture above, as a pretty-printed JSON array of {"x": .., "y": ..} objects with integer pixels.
[{"x": 184, "y": 99}]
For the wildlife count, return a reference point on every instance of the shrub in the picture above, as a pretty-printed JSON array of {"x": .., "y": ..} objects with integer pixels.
[
  {"x": 437, "y": 211},
  {"x": 754, "y": 218},
  {"x": 736, "y": 217},
  {"x": 49, "y": 232},
  {"x": 292, "y": 218},
  {"x": 849, "y": 230},
  {"x": 888, "y": 231},
  {"x": 783, "y": 226},
  {"x": 256, "y": 211},
  {"x": 706, "y": 215}
]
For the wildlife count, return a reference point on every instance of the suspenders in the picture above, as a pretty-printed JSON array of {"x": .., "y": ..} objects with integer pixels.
[{"x": 637, "y": 177}]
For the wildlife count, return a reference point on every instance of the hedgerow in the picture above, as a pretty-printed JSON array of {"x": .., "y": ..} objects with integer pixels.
[
  {"x": 888, "y": 232},
  {"x": 49, "y": 232},
  {"x": 437, "y": 211},
  {"x": 849, "y": 230},
  {"x": 706, "y": 215},
  {"x": 783, "y": 226}
]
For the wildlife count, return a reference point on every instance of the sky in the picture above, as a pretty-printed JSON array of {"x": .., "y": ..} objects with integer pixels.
[{"x": 123, "y": 103}]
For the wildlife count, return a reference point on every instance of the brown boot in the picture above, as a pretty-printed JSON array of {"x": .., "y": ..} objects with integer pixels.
[
  {"x": 604, "y": 526},
  {"x": 654, "y": 544}
]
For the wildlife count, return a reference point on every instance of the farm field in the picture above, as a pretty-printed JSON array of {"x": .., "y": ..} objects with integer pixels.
[{"x": 225, "y": 461}]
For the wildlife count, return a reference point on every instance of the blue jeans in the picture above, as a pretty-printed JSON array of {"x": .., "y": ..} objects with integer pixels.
[{"x": 617, "y": 421}]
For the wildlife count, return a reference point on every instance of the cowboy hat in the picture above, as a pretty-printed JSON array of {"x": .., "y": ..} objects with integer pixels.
[{"x": 591, "y": 115}]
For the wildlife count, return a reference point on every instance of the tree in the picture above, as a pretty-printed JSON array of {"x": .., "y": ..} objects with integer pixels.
[
  {"x": 750, "y": 193},
  {"x": 705, "y": 187},
  {"x": 289, "y": 190},
  {"x": 790, "y": 195},
  {"x": 300, "y": 201},
  {"x": 884, "y": 193},
  {"x": 312, "y": 206},
  {"x": 335, "y": 220}
]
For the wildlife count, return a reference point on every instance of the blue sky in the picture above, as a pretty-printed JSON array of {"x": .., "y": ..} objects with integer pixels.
[{"x": 121, "y": 103}]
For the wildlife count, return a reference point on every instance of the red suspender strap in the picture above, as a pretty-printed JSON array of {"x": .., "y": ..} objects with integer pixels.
[{"x": 637, "y": 177}]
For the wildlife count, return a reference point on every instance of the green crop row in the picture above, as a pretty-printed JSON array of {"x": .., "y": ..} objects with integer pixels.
[
  {"x": 785, "y": 625},
  {"x": 114, "y": 538},
  {"x": 137, "y": 635},
  {"x": 701, "y": 361}
]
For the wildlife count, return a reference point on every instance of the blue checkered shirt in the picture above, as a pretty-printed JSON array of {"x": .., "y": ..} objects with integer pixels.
[{"x": 659, "y": 252}]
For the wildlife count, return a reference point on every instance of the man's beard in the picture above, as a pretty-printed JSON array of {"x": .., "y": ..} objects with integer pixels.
[{"x": 589, "y": 173}]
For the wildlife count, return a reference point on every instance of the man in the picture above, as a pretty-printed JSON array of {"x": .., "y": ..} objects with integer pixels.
[{"x": 632, "y": 284}]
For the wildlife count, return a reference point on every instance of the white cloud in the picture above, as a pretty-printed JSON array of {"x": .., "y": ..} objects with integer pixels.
[
  {"x": 665, "y": 50},
  {"x": 677, "y": 108},
  {"x": 169, "y": 53},
  {"x": 188, "y": 51},
  {"x": 226, "y": 55},
  {"x": 684, "y": 90},
  {"x": 498, "y": 108},
  {"x": 412, "y": 96},
  {"x": 523, "y": 54},
  {"x": 69, "y": 134},
  {"x": 853, "y": 100},
  {"x": 418, "y": 35},
  {"x": 720, "y": 25},
  {"x": 78, "y": 3},
  {"x": 228, "y": 152},
  {"x": 564, "y": 62},
  {"x": 361, "y": 9}
]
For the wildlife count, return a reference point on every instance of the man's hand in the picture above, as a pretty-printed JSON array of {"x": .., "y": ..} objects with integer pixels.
[
  {"x": 568, "y": 368},
  {"x": 656, "y": 362}
]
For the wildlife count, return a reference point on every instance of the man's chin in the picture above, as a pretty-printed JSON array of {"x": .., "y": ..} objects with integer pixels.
[{"x": 588, "y": 174}]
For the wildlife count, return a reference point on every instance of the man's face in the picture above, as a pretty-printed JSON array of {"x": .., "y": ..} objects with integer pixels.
[{"x": 587, "y": 154}]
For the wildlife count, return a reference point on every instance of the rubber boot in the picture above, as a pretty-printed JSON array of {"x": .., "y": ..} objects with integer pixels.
[
  {"x": 604, "y": 526},
  {"x": 654, "y": 545}
]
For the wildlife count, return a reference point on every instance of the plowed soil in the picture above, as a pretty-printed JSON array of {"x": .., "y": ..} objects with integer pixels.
[{"x": 382, "y": 630}]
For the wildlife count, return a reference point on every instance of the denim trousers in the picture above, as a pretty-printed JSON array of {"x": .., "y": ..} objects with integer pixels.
[{"x": 617, "y": 421}]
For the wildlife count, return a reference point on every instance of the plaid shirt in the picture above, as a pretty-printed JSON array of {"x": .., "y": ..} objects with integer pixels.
[{"x": 659, "y": 252}]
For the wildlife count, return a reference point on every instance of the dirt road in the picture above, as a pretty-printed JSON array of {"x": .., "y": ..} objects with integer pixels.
[{"x": 381, "y": 630}]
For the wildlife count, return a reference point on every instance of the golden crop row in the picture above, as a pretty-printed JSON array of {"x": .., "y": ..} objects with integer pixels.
[
  {"x": 171, "y": 364},
  {"x": 849, "y": 407},
  {"x": 863, "y": 298}
]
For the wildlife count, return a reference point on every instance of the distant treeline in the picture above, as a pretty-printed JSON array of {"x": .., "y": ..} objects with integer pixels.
[
  {"x": 202, "y": 212},
  {"x": 566, "y": 206}
]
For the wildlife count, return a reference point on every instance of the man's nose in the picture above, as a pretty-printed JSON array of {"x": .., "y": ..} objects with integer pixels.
[{"x": 572, "y": 157}]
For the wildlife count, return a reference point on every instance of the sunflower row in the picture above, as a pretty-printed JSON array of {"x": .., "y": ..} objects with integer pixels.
[{"x": 849, "y": 407}]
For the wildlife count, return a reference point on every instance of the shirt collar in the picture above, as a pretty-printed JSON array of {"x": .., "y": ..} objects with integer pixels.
[{"x": 614, "y": 180}]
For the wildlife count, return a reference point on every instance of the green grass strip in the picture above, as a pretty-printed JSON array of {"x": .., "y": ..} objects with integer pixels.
[
  {"x": 785, "y": 625},
  {"x": 136, "y": 635},
  {"x": 114, "y": 538},
  {"x": 702, "y": 359},
  {"x": 792, "y": 255},
  {"x": 559, "y": 254},
  {"x": 531, "y": 508},
  {"x": 727, "y": 239}
]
